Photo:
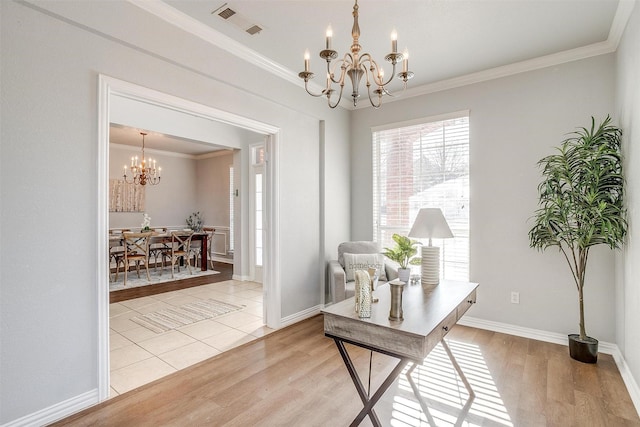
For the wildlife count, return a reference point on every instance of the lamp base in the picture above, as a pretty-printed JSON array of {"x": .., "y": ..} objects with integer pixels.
[{"x": 430, "y": 274}]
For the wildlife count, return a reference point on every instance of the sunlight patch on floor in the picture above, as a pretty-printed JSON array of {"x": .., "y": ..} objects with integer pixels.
[{"x": 445, "y": 394}]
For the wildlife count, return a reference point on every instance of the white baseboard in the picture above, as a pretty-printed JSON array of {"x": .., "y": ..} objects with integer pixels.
[
  {"x": 556, "y": 338},
  {"x": 58, "y": 411},
  {"x": 222, "y": 260},
  {"x": 297, "y": 317},
  {"x": 240, "y": 278}
]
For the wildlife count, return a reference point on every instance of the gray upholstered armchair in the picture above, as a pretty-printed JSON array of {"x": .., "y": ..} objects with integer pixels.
[{"x": 358, "y": 256}]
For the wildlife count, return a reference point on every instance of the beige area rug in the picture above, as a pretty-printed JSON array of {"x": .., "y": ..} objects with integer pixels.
[
  {"x": 168, "y": 319},
  {"x": 156, "y": 277}
]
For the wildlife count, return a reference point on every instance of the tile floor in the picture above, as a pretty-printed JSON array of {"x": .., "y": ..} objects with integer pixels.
[{"x": 139, "y": 356}]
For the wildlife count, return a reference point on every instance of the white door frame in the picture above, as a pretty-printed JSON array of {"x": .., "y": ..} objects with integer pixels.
[{"x": 108, "y": 86}]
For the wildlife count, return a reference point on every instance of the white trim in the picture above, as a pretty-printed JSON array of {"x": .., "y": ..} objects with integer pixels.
[
  {"x": 56, "y": 412},
  {"x": 623, "y": 13},
  {"x": 271, "y": 253},
  {"x": 438, "y": 118},
  {"x": 220, "y": 40},
  {"x": 556, "y": 338},
  {"x": 124, "y": 147},
  {"x": 240, "y": 278},
  {"x": 300, "y": 316},
  {"x": 217, "y": 153},
  {"x": 102, "y": 229},
  {"x": 627, "y": 377}
]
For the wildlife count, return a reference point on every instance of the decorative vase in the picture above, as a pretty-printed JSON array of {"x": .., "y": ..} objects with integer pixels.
[
  {"x": 395, "y": 313},
  {"x": 363, "y": 294},
  {"x": 585, "y": 351}
]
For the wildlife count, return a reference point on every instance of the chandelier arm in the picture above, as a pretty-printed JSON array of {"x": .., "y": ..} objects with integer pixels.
[
  {"x": 338, "y": 99},
  {"x": 380, "y": 92},
  {"x": 379, "y": 82},
  {"x": 306, "y": 87},
  {"x": 345, "y": 63}
]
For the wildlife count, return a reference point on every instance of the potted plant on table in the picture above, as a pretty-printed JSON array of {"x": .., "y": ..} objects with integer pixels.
[
  {"x": 580, "y": 206},
  {"x": 195, "y": 222},
  {"x": 404, "y": 253}
]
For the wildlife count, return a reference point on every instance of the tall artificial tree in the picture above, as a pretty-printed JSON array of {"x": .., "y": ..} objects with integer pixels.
[{"x": 581, "y": 200}]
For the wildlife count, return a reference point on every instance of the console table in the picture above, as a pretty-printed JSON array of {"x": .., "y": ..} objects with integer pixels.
[{"x": 428, "y": 317}]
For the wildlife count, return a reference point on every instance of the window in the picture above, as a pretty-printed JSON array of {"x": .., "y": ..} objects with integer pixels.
[{"x": 424, "y": 165}]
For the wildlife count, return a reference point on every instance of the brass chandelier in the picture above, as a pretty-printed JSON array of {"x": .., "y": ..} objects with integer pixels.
[
  {"x": 355, "y": 66},
  {"x": 145, "y": 171}
]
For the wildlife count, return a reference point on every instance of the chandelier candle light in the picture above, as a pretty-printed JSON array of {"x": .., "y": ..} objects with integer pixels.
[
  {"x": 144, "y": 172},
  {"x": 430, "y": 223},
  {"x": 356, "y": 65}
]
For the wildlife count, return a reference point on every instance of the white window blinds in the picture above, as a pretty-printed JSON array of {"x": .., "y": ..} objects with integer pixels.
[{"x": 418, "y": 166}]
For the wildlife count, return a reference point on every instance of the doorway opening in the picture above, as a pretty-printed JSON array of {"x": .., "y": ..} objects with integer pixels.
[{"x": 110, "y": 92}]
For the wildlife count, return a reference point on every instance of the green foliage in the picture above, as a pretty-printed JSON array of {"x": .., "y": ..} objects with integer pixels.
[
  {"x": 404, "y": 252},
  {"x": 581, "y": 199},
  {"x": 195, "y": 222}
]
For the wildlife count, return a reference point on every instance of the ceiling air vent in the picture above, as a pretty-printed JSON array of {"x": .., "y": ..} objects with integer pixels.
[
  {"x": 254, "y": 29},
  {"x": 226, "y": 13},
  {"x": 229, "y": 15}
]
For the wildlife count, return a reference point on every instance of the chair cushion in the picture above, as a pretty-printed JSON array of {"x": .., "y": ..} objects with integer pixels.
[
  {"x": 353, "y": 262},
  {"x": 361, "y": 247}
]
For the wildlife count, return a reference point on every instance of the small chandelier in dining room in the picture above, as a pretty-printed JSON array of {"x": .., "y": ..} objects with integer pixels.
[
  {"x": 143, "y": 172},
  {"x": 356, "y": 65}
]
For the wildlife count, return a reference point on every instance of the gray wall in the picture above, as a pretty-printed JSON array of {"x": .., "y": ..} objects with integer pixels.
[
  {"x": 188, "y": 185},
  {"x": 628, "y": 114},
  {"x": 212, "y": 188},
  {"x": 50, "y": 67},
  {"x": 168, "y": 203},
  {"x": 514, "y": 122}
]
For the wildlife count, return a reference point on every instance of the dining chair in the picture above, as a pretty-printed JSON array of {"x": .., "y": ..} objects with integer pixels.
[
  {"x": 179, "y": 248},
  {"x": 209, "y": 231},
  {"x": 116, "y": 252},
  {"x": 156, "y": 247},
  {"x": 136, "y": 251}
]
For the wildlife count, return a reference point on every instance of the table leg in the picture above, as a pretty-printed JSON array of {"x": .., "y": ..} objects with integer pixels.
[
  {"x": 203, "y": 254},
  {"x": 423, "y": 404},
  {"x": 368, "y": 402}
]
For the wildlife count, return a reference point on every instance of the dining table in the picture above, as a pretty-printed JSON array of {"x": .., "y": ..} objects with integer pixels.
[{"x": 115, "y": 240}]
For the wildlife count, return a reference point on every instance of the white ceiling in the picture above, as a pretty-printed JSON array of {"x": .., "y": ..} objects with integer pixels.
[
  {"x": 446, "y": 39},
  {"x": 125, "y": 135},
  {"x": 450, "y": 42}
]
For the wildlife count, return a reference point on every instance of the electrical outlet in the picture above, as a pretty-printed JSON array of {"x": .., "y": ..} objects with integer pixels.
[{"x": 515, "y": 297}]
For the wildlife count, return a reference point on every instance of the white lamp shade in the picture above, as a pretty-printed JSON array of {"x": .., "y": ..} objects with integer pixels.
[{"x": 430, "y": 224}]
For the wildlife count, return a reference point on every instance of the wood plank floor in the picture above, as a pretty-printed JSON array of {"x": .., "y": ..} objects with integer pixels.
[
  {"x": 226, "y": 273},
  {"x": 295, "y": 377}
]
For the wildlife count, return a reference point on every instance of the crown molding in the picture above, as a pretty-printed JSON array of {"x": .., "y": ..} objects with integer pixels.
[
  {"x": 218, "y": 153},
  {"x": 554, "y": 59},
  {"x": 208, "y": 34},
  {"x": 623, "y": 13},
  {"x": 136, "y": 149},
  {"x": 185, "y": 22}
]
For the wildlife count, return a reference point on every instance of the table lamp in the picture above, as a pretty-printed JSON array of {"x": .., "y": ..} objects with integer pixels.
[{"x": 430, "y": 224}]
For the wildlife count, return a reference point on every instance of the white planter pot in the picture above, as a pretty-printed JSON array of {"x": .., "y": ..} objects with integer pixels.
[{"x": 404, "y": 274}]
